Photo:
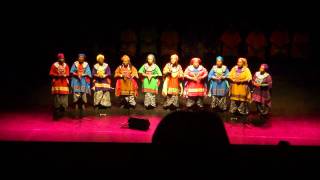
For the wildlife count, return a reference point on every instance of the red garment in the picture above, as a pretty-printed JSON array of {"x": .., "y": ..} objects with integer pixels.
[
  {"x": 195, "y": 88},
  {"x": 60, "y": 84}
]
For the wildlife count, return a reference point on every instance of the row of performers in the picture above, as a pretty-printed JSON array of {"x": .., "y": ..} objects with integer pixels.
[{"x": 190, "y": 83}]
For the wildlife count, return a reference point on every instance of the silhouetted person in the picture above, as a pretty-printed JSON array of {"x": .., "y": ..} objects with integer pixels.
[{"x": 191, "y": 128}]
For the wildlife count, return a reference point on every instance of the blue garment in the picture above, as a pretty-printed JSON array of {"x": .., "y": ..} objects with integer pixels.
[
  {"x": 80, "y": 85},
  {"x": 218, "y": 88}
]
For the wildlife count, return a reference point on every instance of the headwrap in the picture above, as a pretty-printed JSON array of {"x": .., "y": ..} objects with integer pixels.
[
  {"x": 125, "y": 57},
  {"x": 153, "y": 57},
  {"x": 219, "y": 58},
  {"x": 60, "y": 56},
  {"x": 266, "y": 67},
  {"x": 195, "y": 59},
  {"x": 81, "y": 54},
  {"x": 100, "y": 56},
  {"x": 175, "y": 55},
  {"x": 244, "y": 60}
]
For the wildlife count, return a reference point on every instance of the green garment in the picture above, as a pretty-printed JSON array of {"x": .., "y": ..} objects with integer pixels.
[{"x": 150, "y": 86}]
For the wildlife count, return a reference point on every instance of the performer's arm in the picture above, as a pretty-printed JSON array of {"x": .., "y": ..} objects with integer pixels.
[
  {"x": 203, "y": 75},
  {"x": 94, "y": 73},
  {"x": 117, "y": 73},
  {"x": 53, "y": 72},
  {"x": 67, "y": 73},
  {"x": 73, "y": 71},
  {"x": 211, "y": 75},
  {"x": 158, "y": 72},
  {"x": 226, "y": 74},
  {"x": 142, "y": 71},
  {"x": 187, "y": 75},
  {"x": 134, "y": 72},
  {"x": 107, "y": 72}
]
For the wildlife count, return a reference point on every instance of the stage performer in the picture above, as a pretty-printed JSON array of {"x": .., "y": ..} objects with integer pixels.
[
  {"x": 150, "y": 73},
  {"x": 80, "y": 83},
  {"x": 59, "y": 72},
  {"x": 172, "y": 86},
  {"x": 126, "y": 84},
  {"x": 262, "y": 82},
  {"x": 101, "y": 83},
  {"x": 195, "y": 86},
  {"x": 218, "y": 85},
  {"x": 240, "y": 95}
]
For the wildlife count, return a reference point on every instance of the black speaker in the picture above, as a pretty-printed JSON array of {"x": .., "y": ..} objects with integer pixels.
[{"x": 139, "y": 124}]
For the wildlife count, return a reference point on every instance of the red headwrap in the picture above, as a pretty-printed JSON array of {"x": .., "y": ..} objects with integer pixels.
[
  {"x": 266, "y": 67},
  {"x": 60, "y": 56},
  {"x": 195, "y": 59}
]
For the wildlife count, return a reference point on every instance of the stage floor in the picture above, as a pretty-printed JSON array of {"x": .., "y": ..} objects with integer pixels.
[{"x": 39, "y": 126}]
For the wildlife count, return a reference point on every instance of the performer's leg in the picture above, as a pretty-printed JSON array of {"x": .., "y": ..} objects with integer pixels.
[
  {"x": 166, "y": 102},
  {"x": 132, "y": 101},
  {"x": 243, "y": 108},
  {"x": 153, "y": 100},
  {"x": 97, "y": 97},
  {"x": 200, "y": 101},
  {"x": 263, "y": 109},
  {"x": 64, "y": 101},
  {"x": 105, "y": 99},
  {"x": 147, "y": 99},
  {"x": 190, "y": 102},
  {"x": 124, "y": 101},
  {"x": 175, "y": 101},
  {"x": 214, "y": 102},
  {"x": 223, "y": 103},
  {"x": 233, "y": 106},
  {"x": 56, "y": 106},
  {"x": 84, "y": 101},
  {"x": 56, "y": 101},
  {"x": 76, "y": 97}
]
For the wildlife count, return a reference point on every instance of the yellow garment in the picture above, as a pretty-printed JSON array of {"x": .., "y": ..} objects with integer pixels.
[
  {"x": 240, "y": 91},
  {"x": 173, "y": 81}
]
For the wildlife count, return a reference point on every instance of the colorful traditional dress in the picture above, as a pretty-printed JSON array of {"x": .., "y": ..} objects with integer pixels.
[
  {"x": 60, "y": 84},
  {"x": 126, "y": 85},
  {"x": 101, "y": 84},
  {"x": 80, "y": 86},
  {"x": 218, "y": 89},
  {"x": 195, "y": 90},
  {"x": 150, "y": 87},
  {"x": 240, "y": 91},
  {"x": 261, "y": 95},
  {"x": 172, "y": 85}
]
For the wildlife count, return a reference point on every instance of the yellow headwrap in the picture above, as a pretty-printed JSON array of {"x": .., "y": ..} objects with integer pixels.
[{"x": 100, "y": 56}]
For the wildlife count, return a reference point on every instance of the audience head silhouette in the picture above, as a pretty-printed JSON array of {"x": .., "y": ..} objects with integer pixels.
[{"x": 191, "y": 128}]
